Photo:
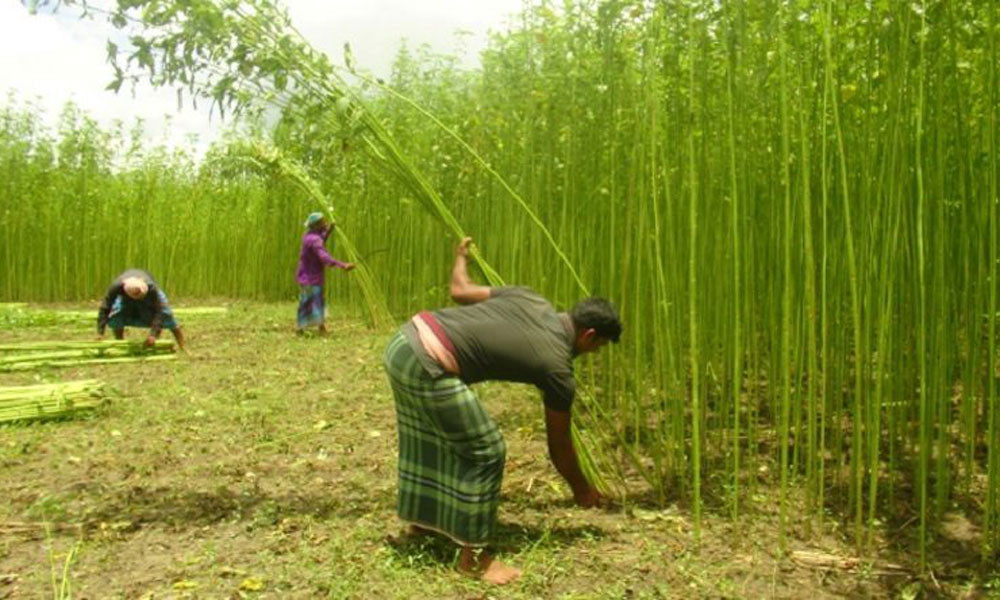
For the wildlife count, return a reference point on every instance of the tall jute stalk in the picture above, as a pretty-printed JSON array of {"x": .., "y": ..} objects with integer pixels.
[
  {"x": 824, "y": 352},
  {"x": 693, "y": 275},
  {"x": 859, "y": 358},
  {"x": 736, "y": 376},
  {"x": 814, "y": 393},
  {"x": 925, "y": 434},
  {"x": 991, "y": 540},
  {"x": 786, "y": 294}
]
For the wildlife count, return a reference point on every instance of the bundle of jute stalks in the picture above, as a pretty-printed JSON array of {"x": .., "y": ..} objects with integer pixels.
[
  {"x": 23, "y": 356},
  {"x": 190, "y": 311},
  {"x": 50, "y": 400},
  {"x": 15, "y": 315}
]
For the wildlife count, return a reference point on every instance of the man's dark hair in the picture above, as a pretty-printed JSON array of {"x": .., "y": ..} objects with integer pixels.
[{"x": 597, "y": 314}]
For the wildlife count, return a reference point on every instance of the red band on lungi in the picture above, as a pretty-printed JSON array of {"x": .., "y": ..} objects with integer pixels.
[{"x": 428, "y": 317}]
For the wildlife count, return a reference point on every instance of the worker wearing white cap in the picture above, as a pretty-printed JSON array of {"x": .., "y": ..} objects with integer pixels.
[{"x": 135, "y": 300}]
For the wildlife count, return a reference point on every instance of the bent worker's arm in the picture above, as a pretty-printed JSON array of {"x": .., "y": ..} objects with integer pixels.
[
  {"x": 463, "y": 289},
  {"x": 155, "y": 302},
  {"x": 563, "y": 454},
  {"x": 104, "y": 311}
]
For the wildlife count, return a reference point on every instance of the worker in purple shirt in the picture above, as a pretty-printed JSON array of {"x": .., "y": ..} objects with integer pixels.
[{"x": 313, "y": 260}]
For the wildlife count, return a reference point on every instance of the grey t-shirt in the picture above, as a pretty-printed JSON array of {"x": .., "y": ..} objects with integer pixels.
[{"x": 515, "y": 335}]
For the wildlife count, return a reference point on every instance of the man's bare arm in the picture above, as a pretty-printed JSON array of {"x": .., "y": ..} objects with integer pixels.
[
  {"x": 463, "y": 289},
  {"x": 563, "y": 455}
]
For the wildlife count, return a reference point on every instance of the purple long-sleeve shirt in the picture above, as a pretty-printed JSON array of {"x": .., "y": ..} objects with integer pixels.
[{"x": 314, "y": 258}]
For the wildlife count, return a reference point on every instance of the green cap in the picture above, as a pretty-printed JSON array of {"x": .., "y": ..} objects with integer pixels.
[{"x": 313, "y": 218}]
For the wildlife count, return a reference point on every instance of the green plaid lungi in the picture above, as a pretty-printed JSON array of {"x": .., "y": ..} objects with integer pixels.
[{"x": 451, "y": 453}]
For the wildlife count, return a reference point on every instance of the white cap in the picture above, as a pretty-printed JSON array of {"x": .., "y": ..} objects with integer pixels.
[{"x": 135, "y": 288}]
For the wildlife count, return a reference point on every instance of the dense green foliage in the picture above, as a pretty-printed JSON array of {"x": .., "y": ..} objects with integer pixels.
[
  {"x": 793, "y": 203},
  {"x": 81, "y": 204}
]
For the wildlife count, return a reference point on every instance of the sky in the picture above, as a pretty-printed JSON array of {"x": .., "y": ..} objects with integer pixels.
[{"x": 53, "y": 58}]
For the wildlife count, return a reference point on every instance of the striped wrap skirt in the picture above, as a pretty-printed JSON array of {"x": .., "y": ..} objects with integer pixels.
[
  {"x": 451, "y": 453},
  {"x": 312, "y": 306}
]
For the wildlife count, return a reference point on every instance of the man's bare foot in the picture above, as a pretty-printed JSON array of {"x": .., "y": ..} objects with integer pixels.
[
  {"x": 481, "y": 564},
  {"x": 498, "y": 573}
]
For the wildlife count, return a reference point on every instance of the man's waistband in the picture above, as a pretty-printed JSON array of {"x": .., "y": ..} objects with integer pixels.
[{"x": 435, "y": 341}]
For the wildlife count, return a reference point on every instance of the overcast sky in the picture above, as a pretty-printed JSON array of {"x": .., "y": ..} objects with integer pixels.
[{"x": 55, "y": 58}]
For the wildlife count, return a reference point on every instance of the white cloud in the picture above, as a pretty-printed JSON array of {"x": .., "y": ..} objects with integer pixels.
[
  {"x": 375, "y": 28},
  {"x": 58, "y": 58}
]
